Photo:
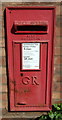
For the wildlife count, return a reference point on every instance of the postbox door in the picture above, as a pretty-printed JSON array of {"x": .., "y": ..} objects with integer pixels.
[{"x": 30, "y": 82}]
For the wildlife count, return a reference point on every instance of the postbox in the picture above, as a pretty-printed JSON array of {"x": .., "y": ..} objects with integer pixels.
[{"x": 30, "y": 40}]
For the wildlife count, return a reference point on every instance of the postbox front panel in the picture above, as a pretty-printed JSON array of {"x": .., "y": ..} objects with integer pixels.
[
  {"x": 30, "y": 55},
  {"x": 30, "y": 85}
]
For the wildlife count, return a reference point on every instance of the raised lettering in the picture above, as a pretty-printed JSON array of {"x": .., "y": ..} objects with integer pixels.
[
  {"x": 34, "y": 81},
  {"x": 26, "y": 80}
]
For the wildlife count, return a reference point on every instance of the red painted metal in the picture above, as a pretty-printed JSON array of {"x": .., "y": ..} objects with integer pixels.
[
  {"x": 30, "y": 90},
  {"x": 43, "y": 26}
]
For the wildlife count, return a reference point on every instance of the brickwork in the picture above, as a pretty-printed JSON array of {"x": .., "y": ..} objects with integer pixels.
[{"x": 57, "y": 78}]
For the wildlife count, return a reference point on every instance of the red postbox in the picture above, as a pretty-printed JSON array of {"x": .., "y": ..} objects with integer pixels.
[{"x": 30, "y": 38}]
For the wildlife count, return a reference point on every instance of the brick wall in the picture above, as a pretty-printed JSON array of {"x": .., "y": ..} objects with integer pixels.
[{"x": 57, "y": 82}]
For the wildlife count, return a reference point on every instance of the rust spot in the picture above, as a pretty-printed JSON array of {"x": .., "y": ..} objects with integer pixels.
[
  {"x": 27, "y": 90},
  {"x": 16, "y": 90},
  {"x": 13, "y": 82}
]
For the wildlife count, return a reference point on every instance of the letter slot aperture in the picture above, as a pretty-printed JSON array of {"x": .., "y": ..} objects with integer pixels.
[{"x": 30, "y": 27}]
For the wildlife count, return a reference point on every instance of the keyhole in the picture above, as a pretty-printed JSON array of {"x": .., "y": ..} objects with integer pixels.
[{"x": 21, "y": 74}]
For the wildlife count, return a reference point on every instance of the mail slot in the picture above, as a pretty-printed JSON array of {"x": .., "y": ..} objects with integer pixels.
[
  {"x": 30, "y": 27},
  {"x": 30, "y": 40}
]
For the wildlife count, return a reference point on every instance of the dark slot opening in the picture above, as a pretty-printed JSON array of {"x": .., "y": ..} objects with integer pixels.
[
  {"x": 32, "y": 28},
  {"x": 21, "y": 104}
]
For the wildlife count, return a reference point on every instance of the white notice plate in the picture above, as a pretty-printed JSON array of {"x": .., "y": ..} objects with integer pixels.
[{"x": 30, "y": 56}]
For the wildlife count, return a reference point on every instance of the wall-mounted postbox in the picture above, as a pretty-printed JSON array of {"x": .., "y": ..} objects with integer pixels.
[{"x": 30, "y": 36}]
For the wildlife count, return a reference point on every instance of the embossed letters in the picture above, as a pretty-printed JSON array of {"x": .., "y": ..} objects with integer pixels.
[{"x": 30, "y": 80}]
